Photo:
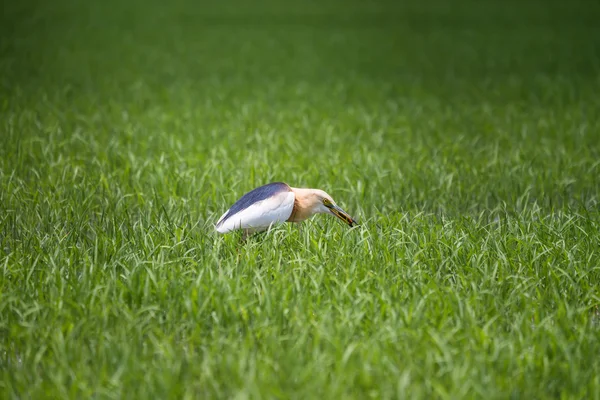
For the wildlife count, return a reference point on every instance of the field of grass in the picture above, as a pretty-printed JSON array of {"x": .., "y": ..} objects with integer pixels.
[{"x": 464, "y": 136}]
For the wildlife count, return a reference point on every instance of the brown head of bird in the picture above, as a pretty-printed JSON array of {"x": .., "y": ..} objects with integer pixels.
[{"x": 309, "y": 202}]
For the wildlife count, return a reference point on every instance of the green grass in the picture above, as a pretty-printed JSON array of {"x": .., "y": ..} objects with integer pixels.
[{"x": 465, "y": 138}]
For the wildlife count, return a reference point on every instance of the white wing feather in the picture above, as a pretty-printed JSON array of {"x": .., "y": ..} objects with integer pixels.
[{"x": 260, "y": 215}]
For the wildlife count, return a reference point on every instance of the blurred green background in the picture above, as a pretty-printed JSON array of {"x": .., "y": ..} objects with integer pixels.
[{"x": 363, "y": 89}]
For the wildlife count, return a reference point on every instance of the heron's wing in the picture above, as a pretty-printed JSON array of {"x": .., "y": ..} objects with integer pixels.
[{"x": 261, "y": 214}]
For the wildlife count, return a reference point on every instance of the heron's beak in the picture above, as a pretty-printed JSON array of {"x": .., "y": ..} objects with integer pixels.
[{"x": 341, "y": 214}]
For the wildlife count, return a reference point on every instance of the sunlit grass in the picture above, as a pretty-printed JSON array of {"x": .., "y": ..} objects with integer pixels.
[{"x": 468, "y": 151}]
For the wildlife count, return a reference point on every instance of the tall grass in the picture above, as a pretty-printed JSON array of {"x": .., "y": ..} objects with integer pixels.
[{"x": 464, "y": 138}]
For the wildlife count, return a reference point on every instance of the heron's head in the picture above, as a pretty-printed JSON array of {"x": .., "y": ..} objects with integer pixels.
[{"x": 321, "y": 202}]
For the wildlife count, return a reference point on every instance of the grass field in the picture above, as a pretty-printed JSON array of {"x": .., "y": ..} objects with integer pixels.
[{"x": 465, "y": 137}]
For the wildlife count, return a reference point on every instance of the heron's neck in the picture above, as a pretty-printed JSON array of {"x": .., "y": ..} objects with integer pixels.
[{"x": 305, "y": 204}]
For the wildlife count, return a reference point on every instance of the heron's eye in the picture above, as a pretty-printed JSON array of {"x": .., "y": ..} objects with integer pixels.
[{"x": 326, "y": 202}]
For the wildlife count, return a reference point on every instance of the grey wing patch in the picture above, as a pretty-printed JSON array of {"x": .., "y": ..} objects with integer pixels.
[
  {"x": 254, "y": 196},
  {"x": 222, "y": 219}
]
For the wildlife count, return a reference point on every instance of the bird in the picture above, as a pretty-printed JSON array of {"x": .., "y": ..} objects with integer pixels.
[{"x": 275, "y": 203}]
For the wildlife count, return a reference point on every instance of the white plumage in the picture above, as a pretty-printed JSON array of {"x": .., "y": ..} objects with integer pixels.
[{"x": 260, "y": 215}]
